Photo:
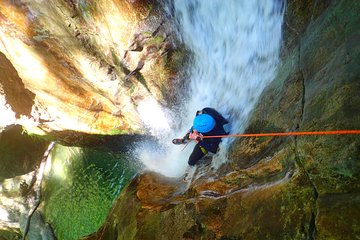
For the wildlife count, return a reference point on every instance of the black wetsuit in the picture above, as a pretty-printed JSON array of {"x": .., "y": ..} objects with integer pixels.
[{"x": 208, "y": 144}]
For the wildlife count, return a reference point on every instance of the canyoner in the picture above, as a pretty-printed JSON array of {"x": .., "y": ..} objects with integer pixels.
[{"x": 207, "y": 122}]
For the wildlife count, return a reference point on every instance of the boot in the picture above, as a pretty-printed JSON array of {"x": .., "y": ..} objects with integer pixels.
[{"x": 178, "y": 141}]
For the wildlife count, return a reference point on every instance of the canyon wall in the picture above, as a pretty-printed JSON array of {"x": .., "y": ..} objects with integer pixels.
[{"x": 304, "y": 187}]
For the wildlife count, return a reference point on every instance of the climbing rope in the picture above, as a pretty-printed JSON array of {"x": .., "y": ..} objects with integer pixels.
[{"x": 279, "y": 134}]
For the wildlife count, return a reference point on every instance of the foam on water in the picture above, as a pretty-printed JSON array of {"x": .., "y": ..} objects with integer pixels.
[{"x": 236, "y": 47}]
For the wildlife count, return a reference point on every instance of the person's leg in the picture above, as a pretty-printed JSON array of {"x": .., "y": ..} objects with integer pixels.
[{"x": 196, "y": 155}]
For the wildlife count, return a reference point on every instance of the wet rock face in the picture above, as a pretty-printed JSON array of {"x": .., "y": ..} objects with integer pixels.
[
  {"x": 85, "y": 66},
  {"x": 272, "y": 188},
  {"x": 309, "y": 95},
  {"x": 298, "y": 15}
]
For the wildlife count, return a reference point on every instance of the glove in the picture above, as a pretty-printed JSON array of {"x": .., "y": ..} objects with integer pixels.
[
  {"x": 196, "y": 136},
  {"x": 187, "y": 136}
]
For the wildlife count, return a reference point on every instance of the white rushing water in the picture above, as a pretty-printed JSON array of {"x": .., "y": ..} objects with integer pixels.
[{"x": 236, "y": 45}]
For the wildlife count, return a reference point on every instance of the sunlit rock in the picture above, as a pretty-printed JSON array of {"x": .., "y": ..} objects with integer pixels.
[{"x": 75, "y": 62}]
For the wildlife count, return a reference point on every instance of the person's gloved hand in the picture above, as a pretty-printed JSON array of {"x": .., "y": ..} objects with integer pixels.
[
  {"x": 196, "y": 136},
  {"x": 187, "y": 136}
]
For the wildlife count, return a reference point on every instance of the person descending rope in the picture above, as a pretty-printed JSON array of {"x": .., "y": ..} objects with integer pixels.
[{"x": 207, "y": 122}]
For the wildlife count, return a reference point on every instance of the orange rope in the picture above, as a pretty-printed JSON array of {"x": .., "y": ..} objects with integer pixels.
[{"x": 336, "y": 132}]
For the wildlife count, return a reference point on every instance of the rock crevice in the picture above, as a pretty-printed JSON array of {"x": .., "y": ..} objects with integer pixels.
[{"x": 314, "y": 206}]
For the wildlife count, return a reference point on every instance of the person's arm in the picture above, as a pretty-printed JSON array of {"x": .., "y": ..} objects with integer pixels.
[
  {"x": 187, "y": 135},
  {"x": 198, "y": 138}
]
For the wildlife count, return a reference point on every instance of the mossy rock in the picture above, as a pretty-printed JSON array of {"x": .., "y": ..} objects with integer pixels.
[{"x": 10, "y": 234}]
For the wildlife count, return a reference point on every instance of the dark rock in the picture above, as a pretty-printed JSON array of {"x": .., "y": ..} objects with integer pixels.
[
  {"x": 19, "y": 153},
  {"x": 17, "y": 96},
  {"x": 10, "y": 234}
]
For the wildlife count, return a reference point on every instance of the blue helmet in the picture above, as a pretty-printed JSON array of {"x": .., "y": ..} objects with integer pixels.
[{"x": 204, "y": 123}]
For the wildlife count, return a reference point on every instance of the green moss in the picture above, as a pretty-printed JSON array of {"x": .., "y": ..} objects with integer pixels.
[
  {"x": 156, "y": 40},
  {"x": 296, "y": 206},
  {"x": 116, "y": 131},
  {"x": 332, "y": 162},
  {"x": 178, "y": 59},
  {"x": 150, "y": 228},
  {"x": 37, "y": 134},
  {"x": 147, "y": 34}
]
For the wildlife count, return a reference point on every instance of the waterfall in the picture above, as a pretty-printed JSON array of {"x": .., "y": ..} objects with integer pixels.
[{"x": 235, "y": 46}]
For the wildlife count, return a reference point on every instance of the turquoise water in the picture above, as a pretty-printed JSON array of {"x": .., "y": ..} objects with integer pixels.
[{"x": 80, "y": 187}]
